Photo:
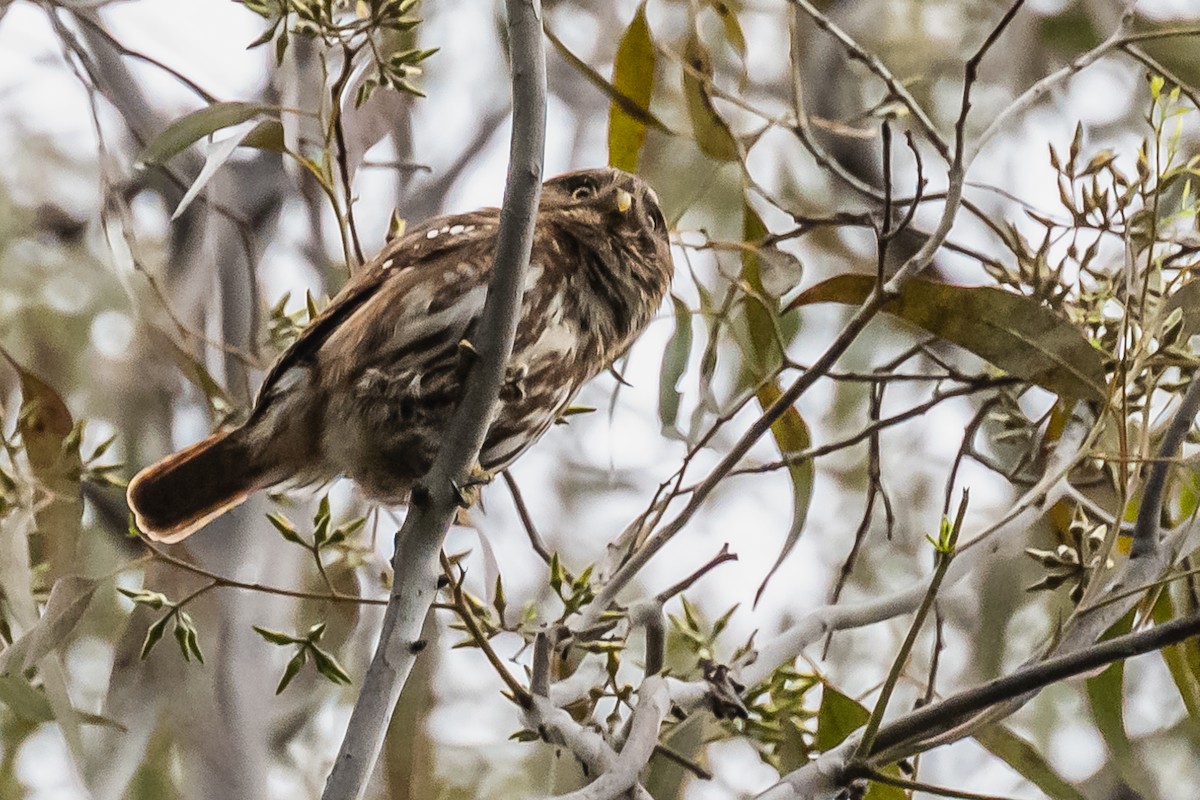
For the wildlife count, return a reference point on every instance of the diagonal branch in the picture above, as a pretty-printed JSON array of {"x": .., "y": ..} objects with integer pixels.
[{"x": 436, "y": 499}]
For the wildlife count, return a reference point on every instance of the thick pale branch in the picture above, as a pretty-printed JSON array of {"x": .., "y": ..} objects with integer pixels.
[{"x": 436, "y": 500}]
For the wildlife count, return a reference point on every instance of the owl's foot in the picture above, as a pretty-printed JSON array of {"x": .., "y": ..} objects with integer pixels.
[{"x": 468, "y": 491}]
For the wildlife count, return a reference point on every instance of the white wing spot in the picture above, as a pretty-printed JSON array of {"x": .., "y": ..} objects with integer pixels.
[
  {"x": 455, "y": 230},
  {"x": 468, "y": 229},
  {"x": 431, "y": 234},
  {"x": 387, "y": 264}
]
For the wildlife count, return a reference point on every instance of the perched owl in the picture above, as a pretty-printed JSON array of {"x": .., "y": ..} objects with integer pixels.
[{"x": 369, "y": 387}]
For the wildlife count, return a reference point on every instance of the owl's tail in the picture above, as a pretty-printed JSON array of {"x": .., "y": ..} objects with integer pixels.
[{"x": 176, "y": 497}]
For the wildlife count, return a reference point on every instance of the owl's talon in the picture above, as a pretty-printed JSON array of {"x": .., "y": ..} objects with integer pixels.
[
  {"x": 468, "y": 490},
  {"x": 467, "y": 351}
]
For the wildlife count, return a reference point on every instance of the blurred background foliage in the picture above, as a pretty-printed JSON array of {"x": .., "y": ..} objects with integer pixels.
[{"x": 135, "y": 322}]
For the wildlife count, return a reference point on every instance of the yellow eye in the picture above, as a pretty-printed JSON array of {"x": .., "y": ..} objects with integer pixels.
[{"x": 582, "y": 193}]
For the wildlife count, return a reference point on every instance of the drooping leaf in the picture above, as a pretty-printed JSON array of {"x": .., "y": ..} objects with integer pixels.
[
  {"x": 790, "y": 431},
  {"x": 633, "y": 76},
  {"x": 837, "y": 717},
  {"x": 191, "y": 128},
  {"x": 792, "y": 436},
  {"x": 1014, "y": 333},
  {"x": 675, "y": 359},
  {"x": 195, "y": 371},
  {"x": 711, "y": 131},
  {"x": 1027, "y": 761}
]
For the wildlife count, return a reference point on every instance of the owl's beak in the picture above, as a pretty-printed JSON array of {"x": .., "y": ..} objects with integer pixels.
[{"x": 624, "y": 200}]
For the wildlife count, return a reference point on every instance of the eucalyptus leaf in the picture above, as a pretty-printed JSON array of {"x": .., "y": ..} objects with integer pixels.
[
  {"x": 1013, "y": 332},
  {"x": 191, "y": 128},
  {"x": 633, "y": 77}
]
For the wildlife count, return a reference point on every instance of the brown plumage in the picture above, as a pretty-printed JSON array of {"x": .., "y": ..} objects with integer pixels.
[{"x": 368, "y": 388}]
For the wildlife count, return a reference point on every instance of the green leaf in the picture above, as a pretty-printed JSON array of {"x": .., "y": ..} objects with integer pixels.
[
  {"x": 1027, "y": 761},
  {"x": 733, "y": 28},
  {"x": 286, "y": 529},
  {"x": 675, "y": 359},
  {"x": 328, "y": 666},
  {"x": 837, "y": 717},
  {"x": 154, "y": 633},
  {"x": 790, "y": 431},
  {"x": 1014, "y": 333},
  {"x": 292, "y": 669},
  {"x": 144, "y": 597},
  {"x": 266, "y": 135},
  {"x": 189, "y": 129},
  {"x": 24, "y": 700},
  {"x": 633, "y": 77},
  {"x": 276, "y": 637},
  {"x": 792, "y": 436},
  {"x": 711, "y": 131}
]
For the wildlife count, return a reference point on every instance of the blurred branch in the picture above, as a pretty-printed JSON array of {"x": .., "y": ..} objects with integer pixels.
[
  {"x": 877, "y": 67},
  {"x": 1119, "y": 39},
  {"x": 902, "y": 737},
  {"x": 436, "y": 499}
]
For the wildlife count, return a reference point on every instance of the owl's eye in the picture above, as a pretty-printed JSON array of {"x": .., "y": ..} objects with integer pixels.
[
  {"x": 582, "y": 192},
  {"x": 655, "y": 218}
]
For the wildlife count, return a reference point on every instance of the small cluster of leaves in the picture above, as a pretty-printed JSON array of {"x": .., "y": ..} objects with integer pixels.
[
  {"x": 374, "y": 26},
  {"x": 779, "y": 721},
  {"x": 185, "y": 628},
  {"x": 699, "y": 638},
  {"x": 104, "y": 474},
  {"x": 306, "y": 647},
  {"x": 575, "y": 592},
  {"x": 283, "y": 328},
  {"x": 1151, "y": 214},
  {"x": 323, "y": 535},
  {"x": 1076, "y": 561}
]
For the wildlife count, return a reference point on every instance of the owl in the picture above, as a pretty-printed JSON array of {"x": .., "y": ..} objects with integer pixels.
[{"x": 368, "y": 389}]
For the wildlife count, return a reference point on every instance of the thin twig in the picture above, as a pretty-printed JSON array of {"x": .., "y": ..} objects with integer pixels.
[
  {"x": 228, "y": 583},
  {"x": 535, "y": 539}
]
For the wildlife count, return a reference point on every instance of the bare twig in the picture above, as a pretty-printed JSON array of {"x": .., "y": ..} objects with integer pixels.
[
  {"x": 220, "y": 581},
  {"x": 535, "y": 539}
]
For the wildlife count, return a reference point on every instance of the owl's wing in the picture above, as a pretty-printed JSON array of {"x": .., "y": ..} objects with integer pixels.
[{"x": 423, "y": 248}]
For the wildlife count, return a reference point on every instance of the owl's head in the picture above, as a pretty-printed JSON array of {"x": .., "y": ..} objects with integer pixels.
[{"x": 611, "y": 203}]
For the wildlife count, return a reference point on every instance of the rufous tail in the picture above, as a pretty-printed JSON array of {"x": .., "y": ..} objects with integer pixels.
[{"x": 176, "y": 497}]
